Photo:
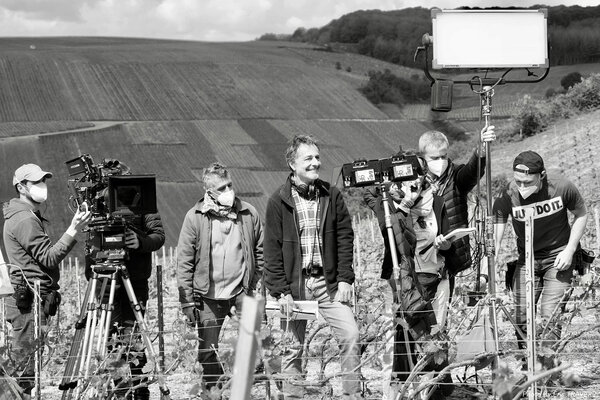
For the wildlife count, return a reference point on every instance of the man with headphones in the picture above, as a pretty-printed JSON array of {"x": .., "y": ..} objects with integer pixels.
[
  {"x": 554, "y": 240},
  {"x": 308, "y": 256},
  {"x": 32, "y": 256}
]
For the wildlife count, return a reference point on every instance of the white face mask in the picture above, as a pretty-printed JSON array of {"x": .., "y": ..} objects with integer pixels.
[
  {"x": 38, "y": 192},
  {"x": 437, "y": 167},
  {"x": 527, "y": 191},
  {"x": 226, "y": 198}
]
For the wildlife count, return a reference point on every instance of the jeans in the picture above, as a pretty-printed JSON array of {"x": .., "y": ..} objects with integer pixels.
[
  {"x": 340, "y": 318},
  {"x": 23, "y": 350},
  {"x": 211, "y": 319},
  {"x": 550, "y": 286}
]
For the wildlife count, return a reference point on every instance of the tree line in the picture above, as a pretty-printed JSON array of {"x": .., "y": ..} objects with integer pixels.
[{"x": 393, "y": 36}]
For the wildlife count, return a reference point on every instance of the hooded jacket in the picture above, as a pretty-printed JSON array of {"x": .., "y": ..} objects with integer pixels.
[
  {"x": 194, "y": 250},
  {"x": 283, "y": 256},
  {"x": 29, "y": 248}
]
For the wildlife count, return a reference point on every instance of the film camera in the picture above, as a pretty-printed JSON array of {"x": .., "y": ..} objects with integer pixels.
[
  {"x": 404, "y": 166},
  {"x": 115, "y": 199}
]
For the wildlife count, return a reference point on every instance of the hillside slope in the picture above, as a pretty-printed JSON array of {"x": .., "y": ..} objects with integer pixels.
[{"x": 171, "y": 108}]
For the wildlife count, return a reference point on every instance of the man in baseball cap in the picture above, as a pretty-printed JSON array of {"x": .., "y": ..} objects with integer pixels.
[
  {"x": 528, "y": 162},
  {"x": 554, "y": 240},
  {"x": 30, "y": 172},
  {"x": 32, "y": 256}
]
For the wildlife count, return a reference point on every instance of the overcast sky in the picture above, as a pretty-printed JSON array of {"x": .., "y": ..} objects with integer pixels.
[{"x": 205, "y": 20}]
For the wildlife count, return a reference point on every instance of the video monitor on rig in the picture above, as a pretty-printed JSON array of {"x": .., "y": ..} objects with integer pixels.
[
  {"x": 489, "y": 38},
  {"x": 132, "y": 194}
]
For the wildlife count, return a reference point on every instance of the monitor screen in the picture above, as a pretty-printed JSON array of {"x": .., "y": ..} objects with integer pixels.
[{"x": 132, "y": 194}]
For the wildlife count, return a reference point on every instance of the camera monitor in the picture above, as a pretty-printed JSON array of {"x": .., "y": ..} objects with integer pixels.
[
  {"x": 129, "y": 194},
  {"x": 401, "y": 167},
  {"x": 489, "y": 38}
]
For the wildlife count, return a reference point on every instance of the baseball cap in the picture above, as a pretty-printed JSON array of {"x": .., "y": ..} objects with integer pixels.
[
  {"x": 30, "y": 172},
  {"x": 528, "y": 162}
]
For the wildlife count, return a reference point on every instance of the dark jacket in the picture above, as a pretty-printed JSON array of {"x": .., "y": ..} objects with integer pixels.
[
  {"x": 29, "y": 247},
  {"x": 414, "y": 303},
  {"x": 455, "y": 184},
  {"x": 151, "y": 235},
  {"x": 283, "y": 258},
  {"x": 194, "y": 254}
]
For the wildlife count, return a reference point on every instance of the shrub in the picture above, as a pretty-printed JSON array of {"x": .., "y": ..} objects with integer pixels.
[
  {"x": 535, "y": 115},
  {"x": 385, "y": 87},
  {"x": 550, "y": 92},
  {"x": 338, "y": 65},
  {"x": 585, "y": 96},
  {"x": 570, "y": 80}
]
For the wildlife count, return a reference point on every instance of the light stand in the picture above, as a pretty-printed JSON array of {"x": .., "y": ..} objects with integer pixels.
[
  {"x": 446, "y": 24},
  {"x": 395, "y": 266},
  {"x": 486, "y": 111}
]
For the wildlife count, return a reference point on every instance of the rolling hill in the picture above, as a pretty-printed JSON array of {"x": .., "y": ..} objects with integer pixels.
[{"x": 171, "y": 108}]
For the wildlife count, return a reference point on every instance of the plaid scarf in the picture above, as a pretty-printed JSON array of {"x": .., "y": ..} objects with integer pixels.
[
  {"x": 308, "y": 222},
  {"x": 209, "y": 206}
]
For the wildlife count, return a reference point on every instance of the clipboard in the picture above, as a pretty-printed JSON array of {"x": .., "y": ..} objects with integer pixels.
[
  {"x": 459, "y": 233},
  {"x": 303, "y": 310}
]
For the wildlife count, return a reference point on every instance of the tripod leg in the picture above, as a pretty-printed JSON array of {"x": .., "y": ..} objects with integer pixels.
[
  {"x": 82, "y": 333},
  {"x": 92, "y": 321},
  {"x": 150, "y": 353},
  {"x": 105, "y": 319}
]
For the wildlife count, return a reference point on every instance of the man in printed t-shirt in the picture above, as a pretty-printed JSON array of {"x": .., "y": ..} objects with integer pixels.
[{"x": 554, "y": 241}]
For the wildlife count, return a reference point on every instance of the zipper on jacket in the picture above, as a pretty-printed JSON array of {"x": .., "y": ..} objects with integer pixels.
[{"x": 298, "y": 247}]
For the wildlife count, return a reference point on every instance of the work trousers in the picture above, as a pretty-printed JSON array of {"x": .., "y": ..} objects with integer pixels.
[
  {"x": 340, "y": 318},
  {"x": 550, "y": 286},
  {"x": 23, "y": 349},
  {"x": 211, "y": 317}
]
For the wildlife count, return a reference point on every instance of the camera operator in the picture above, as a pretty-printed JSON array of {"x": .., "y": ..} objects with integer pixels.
[
  {"x": 308, "y": 255},
  {"x": 554, "y": 240},
  {"x": 144, "y": 234},
  {"x": 419, "y": 222},
  {"x": 32, "y": 256},
  {"x": 220, "y": 258}
]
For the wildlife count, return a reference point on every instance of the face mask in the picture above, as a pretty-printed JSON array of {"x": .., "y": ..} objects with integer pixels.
[
  {"x": 438, "y": 167},
  {"x": 38, "y": 192},
  {"x": 226, "y": 198},
  {"x": 527, "y": 191}
]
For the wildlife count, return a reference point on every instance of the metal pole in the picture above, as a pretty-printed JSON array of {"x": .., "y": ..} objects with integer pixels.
[
  {"x": 161, "y": 321},
  {"x": 77, "y": 279},
  {"x": 530, "y": 301},
  {"x": 4, "y": 325},
  {"x": 37, "y": 339},
  {"x": 396, "y": 267},
  {"x": 490, "y": 251}
]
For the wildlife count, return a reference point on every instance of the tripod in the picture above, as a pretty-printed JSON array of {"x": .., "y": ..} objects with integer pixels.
[{"x": 93, "y": 329}]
